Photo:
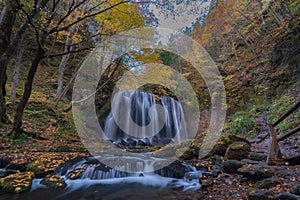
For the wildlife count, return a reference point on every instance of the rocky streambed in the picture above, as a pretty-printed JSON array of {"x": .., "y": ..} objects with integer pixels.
[{"x": 231, "y": 171}]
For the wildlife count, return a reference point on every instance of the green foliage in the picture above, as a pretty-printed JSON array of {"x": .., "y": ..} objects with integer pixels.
[
  {"x": 278, "y": 108},
  {"x": 242, "y": 123}
]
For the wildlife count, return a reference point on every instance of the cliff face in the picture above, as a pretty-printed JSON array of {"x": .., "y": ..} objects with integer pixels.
[{"x": 256, "y": 46}]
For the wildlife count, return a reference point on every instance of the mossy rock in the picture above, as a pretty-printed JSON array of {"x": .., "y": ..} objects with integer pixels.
[
  {"x": 267, "y": 183},
  {"x": 17, "y": 183},
  {"x": 231, "y": 166},
  {"x": 260, "y": 195},
  {"x": 238, "y": 151},
  {"x": 54, "y": 181},
  {"x": 255, "y": 172},
  {"x": 18, "y": 164},
  {"x": 4, "y": 161},
  {"x": 223, "y": 143},
  {"x": 173, "y": 150},
  {"x": 48, "y": 163},
  {"x": 76, "y": 173}
]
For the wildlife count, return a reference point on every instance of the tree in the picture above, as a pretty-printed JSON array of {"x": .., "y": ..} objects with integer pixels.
[
  {"x": 44, "y": 28},
  {"x": 7, "y": 20}
]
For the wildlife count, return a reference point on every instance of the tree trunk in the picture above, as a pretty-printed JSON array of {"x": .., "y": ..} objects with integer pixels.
[
  {"x": 19, "y": 60},
  {"x": 63, "y": 63},
  {"x": 17, "y": 127},
  {"x": 7, "y": 20}
]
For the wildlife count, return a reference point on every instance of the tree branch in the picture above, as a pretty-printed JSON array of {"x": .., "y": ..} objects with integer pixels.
[
  {"x": 85, "y": 17},
  {"x": 68, "y": 52}
]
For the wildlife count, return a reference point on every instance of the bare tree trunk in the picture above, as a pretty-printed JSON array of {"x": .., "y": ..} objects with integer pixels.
[
  {"x": 63, "y": 63},
  {"x": 19, "y": 60},
  {"x": 17, "y": 127}
]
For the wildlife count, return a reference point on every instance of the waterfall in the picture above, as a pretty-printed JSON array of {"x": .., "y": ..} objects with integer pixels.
[{"x": 147, "y": 121}]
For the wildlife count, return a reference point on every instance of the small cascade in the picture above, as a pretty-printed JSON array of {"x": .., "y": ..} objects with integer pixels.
[{"x": 137, "y": 108}]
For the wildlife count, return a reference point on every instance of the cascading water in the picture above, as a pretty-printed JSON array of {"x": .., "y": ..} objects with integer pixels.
[{"x": 143, "y": 110}]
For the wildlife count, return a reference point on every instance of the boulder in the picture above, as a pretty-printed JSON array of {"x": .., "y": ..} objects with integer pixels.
[
  {"x": 175, "y": 170},
  {"x": 4, "y": 161},
  {"x": 76, "y": 173},
  {"x": 223, "y": 143},
  {"x": 49, "y": 163},
  {"x": 18, "y": 164},
  {"x": 231, "y": 166},
  {"x": 255, "y": 172},
  {"x": 260, "y": 195},
  {"x": 267, "y": 183},
  {"x": 53, "y": 181},
  {"x": 238, "y": 151},
  {"x": 258, "y": 156},
  {"x": 17, "y": 183}
]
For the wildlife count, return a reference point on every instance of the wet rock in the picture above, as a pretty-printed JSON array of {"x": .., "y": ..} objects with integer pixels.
[
  {"x": 4, "y": 161},
  {"x": 260, "y": 195},
  {"x": 76, "y": 173},
  {"x": 203, "y": 165},
  {"x": 255, "y": 172},
  {"x": 92, "y": 161},
  {"x": 19, "y": 164},
  {"x": 206, "y": 182},
  {"x": 231, "y": 166},
  {"x": 267, "y": 183},
  {"x": 223, "y": 143},
  {"x": 238, "y": 151},
  {"x": 175, "y": 170},
  {"x": 296, "y": 190},
  {"x": 48, "y": 163},
  {"x": 54, "y": 181},
  {"x": 258, "y": 156},
  {"x": 16, "y": 183},
  {"x": 173, "y": 150},
  {"x": 216, "y": 170},
  {"x": 189, "y": 153}
]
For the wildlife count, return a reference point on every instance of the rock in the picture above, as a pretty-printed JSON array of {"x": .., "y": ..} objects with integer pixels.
[
  {"x": 173, "y": 150},
  {"x": 260, "y": 195},
  {"x": 206, "y": 179},
  {"x": 48, "y": 163},
  {"x": 53, "y": 181},
  {"x": 19, "y": 164},
  {"x": 174, "y": 170},
  {"x": 258, "y": 156},
  {"x": 188, "y": 154},
  {"x": 255, "y": 172},
  {"x": 286, "y": 196},
  {"x": 76, "y": 173},
  {"x": 238, "y": 151},
  {"x": 248, "y": 161},
  {"x": 4, "y": 161},
  {"x": 91, "y": 161},
  {"x": 216, "y": 170},
  {"x": 231, "y": 166},
  {"x": 16, "y": 183},
  {"x": 223, "y": 143},
  {"x": 206, "y": 182},
  {"x": 267, "y": 183},
  {"x": 296, "y": 190}
]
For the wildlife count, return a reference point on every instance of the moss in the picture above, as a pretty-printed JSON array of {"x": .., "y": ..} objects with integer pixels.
[
  {"x": 17, "y": 183},
  {"x": 49, "y": 162},
  {"x": 54, "y": 181}
]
